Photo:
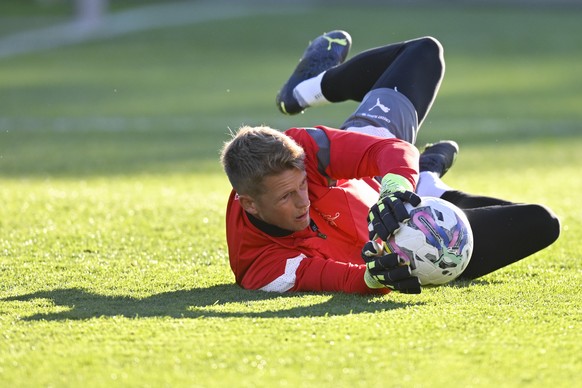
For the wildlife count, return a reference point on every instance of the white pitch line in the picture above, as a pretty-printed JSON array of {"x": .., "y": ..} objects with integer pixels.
[{"x": 141, "y": 19}]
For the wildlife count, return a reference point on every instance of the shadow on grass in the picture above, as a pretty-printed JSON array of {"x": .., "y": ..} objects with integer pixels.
[{"x": 221, "y": 301}]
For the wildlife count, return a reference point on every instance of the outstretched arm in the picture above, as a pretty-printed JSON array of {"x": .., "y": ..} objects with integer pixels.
[{"x": 283, "y": 271}]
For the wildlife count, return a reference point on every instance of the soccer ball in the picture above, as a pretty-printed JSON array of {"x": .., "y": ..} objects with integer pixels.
[{"x": 436, "y": 241}]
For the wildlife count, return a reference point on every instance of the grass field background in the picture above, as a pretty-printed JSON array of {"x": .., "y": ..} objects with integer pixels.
[{"x": 113, "y": 264}]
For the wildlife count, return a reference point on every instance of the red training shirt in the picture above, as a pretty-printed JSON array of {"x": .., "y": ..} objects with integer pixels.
[{"x": 327, "y": 255}]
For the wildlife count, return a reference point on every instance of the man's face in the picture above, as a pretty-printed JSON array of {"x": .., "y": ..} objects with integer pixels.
[{"x": 284, "y": 202}]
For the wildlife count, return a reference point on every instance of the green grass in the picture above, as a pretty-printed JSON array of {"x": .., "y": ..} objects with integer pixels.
[{"x": 113, "y": 264}]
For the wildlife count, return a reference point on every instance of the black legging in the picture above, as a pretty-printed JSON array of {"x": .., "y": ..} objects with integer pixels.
[
  {"x": 504, "y": 232},
  {"x": 415, "y": 68}
]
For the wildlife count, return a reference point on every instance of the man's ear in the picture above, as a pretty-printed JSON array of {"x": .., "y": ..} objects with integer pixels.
[{"x": 248, "y": 203}]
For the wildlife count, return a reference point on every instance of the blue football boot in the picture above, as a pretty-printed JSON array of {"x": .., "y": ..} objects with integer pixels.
[
  {"x": 323, "y": 53},
  {"x": 439, "y": 157}
]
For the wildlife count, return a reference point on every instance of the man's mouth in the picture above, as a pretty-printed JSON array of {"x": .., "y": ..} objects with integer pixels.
[{"x": 303, "y": 216}]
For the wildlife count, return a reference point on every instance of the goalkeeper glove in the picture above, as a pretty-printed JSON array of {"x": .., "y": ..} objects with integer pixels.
[
  {"x": 384, "y": 217},
  {"x": 387, "y": 270}
]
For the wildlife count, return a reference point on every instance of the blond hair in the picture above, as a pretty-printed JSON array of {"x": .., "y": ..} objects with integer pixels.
[{"x": 256, "y": 152}]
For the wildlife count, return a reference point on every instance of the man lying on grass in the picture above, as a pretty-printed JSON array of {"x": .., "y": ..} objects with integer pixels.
[{"x": 298, "y": 215}]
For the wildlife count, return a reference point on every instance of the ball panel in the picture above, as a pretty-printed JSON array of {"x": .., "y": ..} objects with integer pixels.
[{"x": 436, "y": 241}]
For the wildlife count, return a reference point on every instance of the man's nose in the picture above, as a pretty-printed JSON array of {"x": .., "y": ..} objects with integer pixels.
[{"x": 302, "y": 200}]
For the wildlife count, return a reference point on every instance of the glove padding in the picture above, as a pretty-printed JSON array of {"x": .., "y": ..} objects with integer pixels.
[
  {"x": 388, "y": 270},
  {"x": 385, "y": 216}
]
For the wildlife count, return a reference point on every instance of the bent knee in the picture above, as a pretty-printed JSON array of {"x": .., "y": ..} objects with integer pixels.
[
  {"x": 432, "y": 42},
  {"x": 548, "y": 221},
  {"x": 429, "y": 48},
  {"x": 429, "y": 44}
]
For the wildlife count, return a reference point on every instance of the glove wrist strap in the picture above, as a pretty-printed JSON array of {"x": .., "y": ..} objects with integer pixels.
[
  {"x": 371, "y": 282},
  {"x": 394, "y": 182}
]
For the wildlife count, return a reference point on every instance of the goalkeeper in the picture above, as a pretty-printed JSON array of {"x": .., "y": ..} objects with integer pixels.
[{"x": 306, "y": 203}]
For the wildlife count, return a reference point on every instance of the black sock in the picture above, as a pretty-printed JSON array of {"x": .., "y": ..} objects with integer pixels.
[{"x": 469, "y": 201}]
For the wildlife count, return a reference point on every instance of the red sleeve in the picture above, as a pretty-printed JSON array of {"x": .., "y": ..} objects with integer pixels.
[
  {"x": 357, "y": 155},
  {"x": 293, "y": 271},
  {"x": 330, "y": 275}
]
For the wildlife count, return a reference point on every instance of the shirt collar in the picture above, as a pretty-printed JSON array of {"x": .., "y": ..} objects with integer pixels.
[{"x": 271, "y": 230}]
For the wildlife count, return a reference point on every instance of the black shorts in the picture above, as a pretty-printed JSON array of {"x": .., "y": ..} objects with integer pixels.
[{"x": 386, "y": 113}]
